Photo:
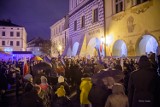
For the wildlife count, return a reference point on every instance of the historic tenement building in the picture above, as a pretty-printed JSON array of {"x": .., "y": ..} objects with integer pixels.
[
  {"x": 132, "y": 27},
  {"x": 59, "y": 36},
  {"x": 12, "y": 37},
  {"x": 39, "y": 46},
  {"x": 86, "y": 28}
]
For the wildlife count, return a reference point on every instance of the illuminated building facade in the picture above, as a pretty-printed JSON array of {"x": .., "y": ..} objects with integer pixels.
[
  {"x": 132, "y": 27},
  {"x": 86, "y": 28},
  {"x": 12, "y": 37},
  {"x": 39, "y": 46},
  {"x": 59, "y": 36}
]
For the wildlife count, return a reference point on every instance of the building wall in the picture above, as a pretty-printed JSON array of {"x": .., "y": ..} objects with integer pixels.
[
  {"x": 7, "y": 38},
  {"x": 59, "y": 36},
  {"x": 91, "y": 30},
  {"x": 35, "y": 50},
  {"x": 132, "y": 24}
]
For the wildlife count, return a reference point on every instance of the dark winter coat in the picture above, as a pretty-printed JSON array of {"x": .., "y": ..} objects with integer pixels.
[
  {"x": 98, "y": 95},
  {"x": 3, "y": 81},
  {"x": 143, "y": 86},
  {"x": 30, "y": 99},
  {"x": 62, "y": 102}
]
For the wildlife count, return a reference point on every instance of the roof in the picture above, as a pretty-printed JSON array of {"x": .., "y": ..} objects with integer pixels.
[
  {"x": 8, "y": 23},
  {"x": 35, "y": 40}
]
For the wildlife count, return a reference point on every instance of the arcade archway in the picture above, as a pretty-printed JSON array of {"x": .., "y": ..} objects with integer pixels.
[
  {"x": 69, "y": 51},
  {"x": 119, "y": 48},
  {"x": 75, "y": 49},
  {"x": 93, "y": 47},
  {"x": 146, "y": 44}
]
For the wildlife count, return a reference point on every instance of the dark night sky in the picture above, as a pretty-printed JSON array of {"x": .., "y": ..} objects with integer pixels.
[{"x": 35, "y": 15}]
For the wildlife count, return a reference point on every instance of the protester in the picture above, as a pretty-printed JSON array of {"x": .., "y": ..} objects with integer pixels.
[
  {"x": 118, "y": 97},
  {"x": 30, "y": 98},
  {"x": 143, "y": 85},
  {"x": 85, "y": 88}
]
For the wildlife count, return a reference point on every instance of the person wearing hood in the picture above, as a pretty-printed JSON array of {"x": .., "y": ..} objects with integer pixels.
[
  {"x": 143, "y": 85},
  {"x": 118, "y": 97},
  {"x": 44, "y": 84},
  {"x": 62, "y": 100},
  {"x": 85, "y": 88},
  {"x": 61, "y": 81}
]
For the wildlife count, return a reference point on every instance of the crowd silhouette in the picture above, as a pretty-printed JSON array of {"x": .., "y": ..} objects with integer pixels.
[{"x": 83, "y": 82}]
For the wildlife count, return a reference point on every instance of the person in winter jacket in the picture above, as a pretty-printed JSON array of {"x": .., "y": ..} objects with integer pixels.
[
  {"x": 143, "y": 87},
  {"x": 62, "y": 100},
  {"x": 118, "y": 97},
  {"x": 85, "y": 88},
  {"x": 30, "y": 98},
  {"x": 46, "y": 92},
  {"x": 101, "y": 90},
  {"x": 61, "y": 81}
]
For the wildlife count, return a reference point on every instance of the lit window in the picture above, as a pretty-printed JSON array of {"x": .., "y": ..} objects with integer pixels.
[
  {"x": 11, "y": 43},
  {"x": 17, "y": 43},
  {"x": 11, "y": 33},
  {"x": 3, "y": 33},
  {"x": 3, "y": 43},
  {"x": 95, "y": 15},
  {"x": 119, "y": 6},
  {"x": 83, "y": 22},
  {"x": 75, "y": 25}
]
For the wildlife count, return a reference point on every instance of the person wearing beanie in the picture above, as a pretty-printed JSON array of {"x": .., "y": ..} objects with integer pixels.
[
  {"x": 60, "y": 91},
  {"x": 46, "y": 92},
  {"x": 44, "y": 84},
  {"x": 61, "y": 81},
  {"x": 85, "y": 88},
  {"x": 62, "y": 100}
]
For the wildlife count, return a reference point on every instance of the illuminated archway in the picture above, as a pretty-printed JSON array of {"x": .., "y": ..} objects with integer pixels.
[
  {"x": 146, "y": 44},
  {"x": 75, "y": 49},
  {"x": 69, "y": 51},
  {"x": 93, "y": 47},
  {"x": 119, "y": 48}
]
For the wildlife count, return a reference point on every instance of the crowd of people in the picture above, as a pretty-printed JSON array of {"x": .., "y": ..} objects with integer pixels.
[{"x": 82, "y": 82}]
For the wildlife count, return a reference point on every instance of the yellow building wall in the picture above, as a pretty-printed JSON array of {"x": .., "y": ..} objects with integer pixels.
[{"x": 141, "y": 19}]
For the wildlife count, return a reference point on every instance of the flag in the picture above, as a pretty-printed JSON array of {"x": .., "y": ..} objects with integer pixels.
[{"x": 101, "y": 47}]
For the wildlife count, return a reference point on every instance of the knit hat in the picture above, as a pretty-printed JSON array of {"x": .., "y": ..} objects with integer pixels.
[
  {"x": 60, "y": 79},
  {"x": 60, "y": 91},
  {"x": 43, "y": 79},
  {"x": 28, "y": 77}
]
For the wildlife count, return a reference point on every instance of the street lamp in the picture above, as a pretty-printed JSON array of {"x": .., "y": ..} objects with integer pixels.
[{"x": 59, "y": 49}]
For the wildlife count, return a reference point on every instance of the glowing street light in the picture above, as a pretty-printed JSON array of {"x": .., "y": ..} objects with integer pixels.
[
  {"x": 109, "y": 39},
  {"x": 59, "y": 47},
  {"x": 102, "y": 39}
]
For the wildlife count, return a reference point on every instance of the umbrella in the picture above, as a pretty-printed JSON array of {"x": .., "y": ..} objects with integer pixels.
[
  {"x": 36, "y": 58},
  {"x": 116, "y": 74},
  {"x": 46, "y": 67}
]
